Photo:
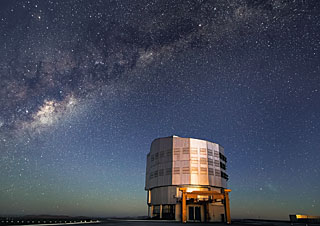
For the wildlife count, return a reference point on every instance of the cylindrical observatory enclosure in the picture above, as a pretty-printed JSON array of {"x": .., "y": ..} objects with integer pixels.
[{"x": 198, "y": 166}]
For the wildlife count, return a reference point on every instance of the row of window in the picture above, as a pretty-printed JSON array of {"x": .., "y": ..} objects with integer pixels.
[
  {"x": 194, "y": 163},
  {"x": 203, "y": 160},
  {"x": 160, "y": 154},
  {"x": 203, "y": 151},
  {"x": 186, "y": 170},
  {"x": 178, "y": 151},
  {"x": 210, "y": 162}
]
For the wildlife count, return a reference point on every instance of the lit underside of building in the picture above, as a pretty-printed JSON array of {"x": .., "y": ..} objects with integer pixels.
[{"x": 186, "y": 180}]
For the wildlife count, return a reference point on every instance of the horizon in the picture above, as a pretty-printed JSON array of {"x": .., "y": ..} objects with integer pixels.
[
  {"x": 86, "y": 86},
  {"x": 46, "y": 216}
]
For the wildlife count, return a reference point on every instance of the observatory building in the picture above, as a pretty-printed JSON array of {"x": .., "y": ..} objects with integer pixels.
[{"x": 186, "y": 180}]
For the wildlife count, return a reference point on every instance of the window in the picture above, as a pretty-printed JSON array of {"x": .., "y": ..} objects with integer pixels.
[
  {"x": 203, "y": 160},
  {"x": 161, "y": 154},
  {"x": 194, "y": 151},
  {"x": 152, "y": 158},
  {"x": 216, "y": 154},
  {"x": 185, "y": 151},
  {"x": 222, "y": 157},
  {"x": 155, "y": 173},
  {"x": 194, "y": 170},
  {"x": 217, "y": 173},
  {"x": 210, "y": 161},
  {"x": 156, "y": 209},
  {"x": 210, "y": 171},
  {"x": 210, "y": 152},
  {"x": 194, "y": 160},
  {"x": 222, "y": 166},
  {"x": 176, "y": 170},
  {"x": 168, "y": 171},
  {"x": 203, "y": 170},
  {"x": 156, "y": 212},
  {"x": 217, "y": 163},
  {"x": 186, "y": 170},
  {"x": 203, "y": 151},
  {"x": 168, "y": 212},
  {"x": 161, "y": 172},
  {"x": 224, "y": 175}
]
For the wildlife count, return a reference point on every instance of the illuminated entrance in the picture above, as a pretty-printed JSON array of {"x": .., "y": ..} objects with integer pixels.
[{"x": 193, "y": 213}]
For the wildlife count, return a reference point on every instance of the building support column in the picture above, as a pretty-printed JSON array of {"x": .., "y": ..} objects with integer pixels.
[
  {"x": 184, "y": 205},
  {"x": 151, "y": 211},
  {"x": 227, "y": 205},
  {"x": 177, "y": 212},
  {"x": 161, "y": 211},
  {"x": 207, "y": 214}
]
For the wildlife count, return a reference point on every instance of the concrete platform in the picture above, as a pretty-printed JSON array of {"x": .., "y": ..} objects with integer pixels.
[{"x": 120, "y": 222}]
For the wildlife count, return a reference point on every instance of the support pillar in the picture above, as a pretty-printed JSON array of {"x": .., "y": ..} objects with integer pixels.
[
  {"x": 161, "y": 211},
  {"x": 151, "y": 211},
  {"x": 207, "y": 213},
  {"x": 227, "y": 205},
  {"x": 184, "y": 205},
  {"x": 178, "y": 212}
]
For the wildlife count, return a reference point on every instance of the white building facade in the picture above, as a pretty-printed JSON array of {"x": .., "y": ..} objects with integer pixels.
[{"x": 196, "y": 165}]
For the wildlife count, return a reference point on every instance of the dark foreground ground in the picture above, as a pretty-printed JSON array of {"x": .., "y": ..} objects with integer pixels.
[
  {"x": 123, "y": 222},
  {"x": 170, "y": 223}
]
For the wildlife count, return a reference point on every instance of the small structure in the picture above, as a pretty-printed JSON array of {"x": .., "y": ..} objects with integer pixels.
[
  {"x": 186, "y": 180},
  {"x": 307, "y": 219}
]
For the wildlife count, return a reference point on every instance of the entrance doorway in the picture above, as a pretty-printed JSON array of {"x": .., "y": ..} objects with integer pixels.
[{"x": 195, "y": 213}]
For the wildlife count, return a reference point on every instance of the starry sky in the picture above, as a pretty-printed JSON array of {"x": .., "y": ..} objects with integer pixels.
[{"x": 85, "y": 86}]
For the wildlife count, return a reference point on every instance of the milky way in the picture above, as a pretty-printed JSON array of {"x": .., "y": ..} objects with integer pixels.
[
  {"x": 73, "y": 71},
  {"x": 56, "y": 49}
]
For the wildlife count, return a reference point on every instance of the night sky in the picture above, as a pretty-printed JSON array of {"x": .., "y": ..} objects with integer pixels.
[{"x": 87, "y": 85}]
